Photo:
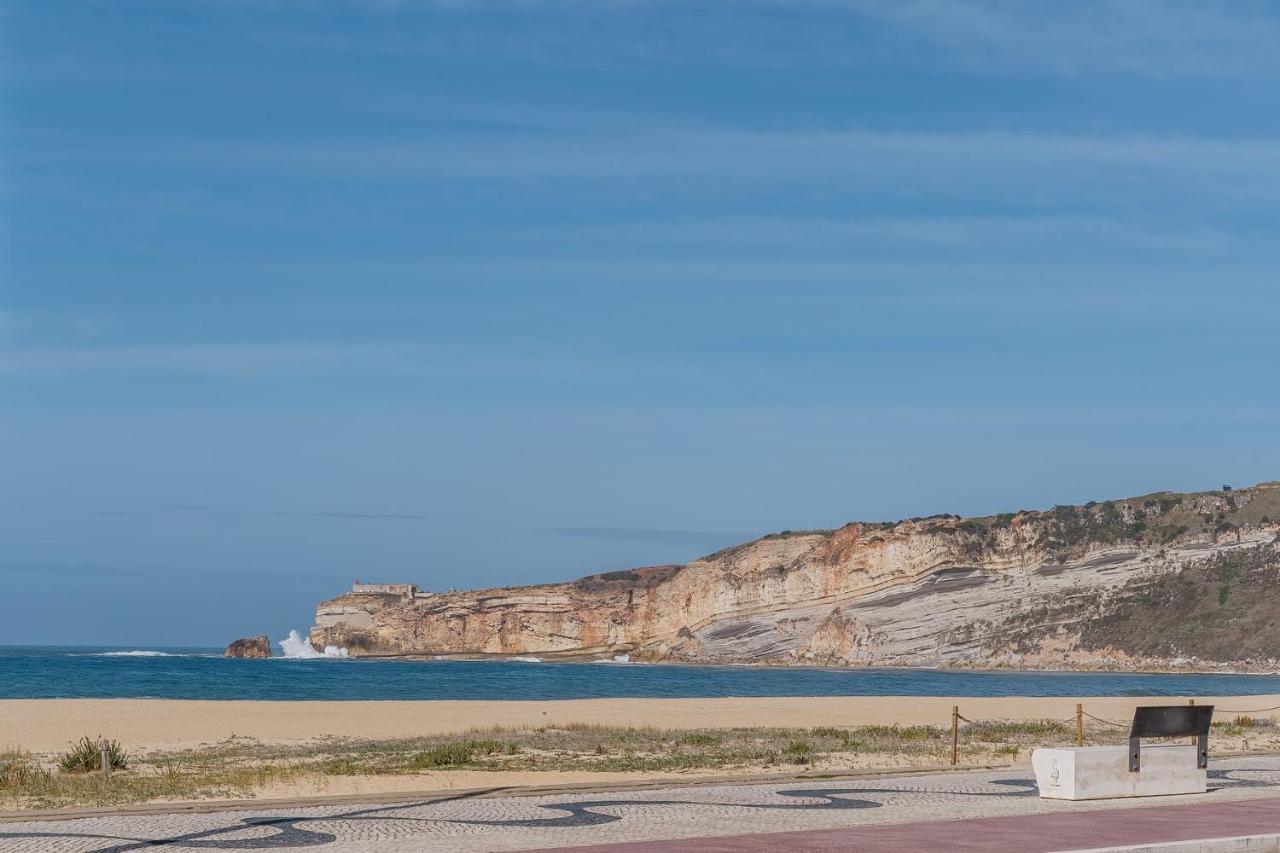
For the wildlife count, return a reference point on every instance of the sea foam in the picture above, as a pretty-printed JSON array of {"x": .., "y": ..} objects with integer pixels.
[{"x": 294, "y": 646}]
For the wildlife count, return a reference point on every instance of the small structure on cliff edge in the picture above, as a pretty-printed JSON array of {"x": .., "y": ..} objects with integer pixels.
[
  {"x": 405, "y": 590},
  {"x": 249, "y": 647}
]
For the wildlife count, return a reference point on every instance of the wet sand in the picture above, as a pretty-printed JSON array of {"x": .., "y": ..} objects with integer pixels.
[{"x": 42, "y": 725}]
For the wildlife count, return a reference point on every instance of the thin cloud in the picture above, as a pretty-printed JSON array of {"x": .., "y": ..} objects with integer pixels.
[
  {"x": 79, "y": 569},
  {"x": 203, "y": 509},
  {"x": 136, "y": 571},
  {"x": 1156, "y": 38},
  {"x": 991, "y": 165},
  {"x": 360, "y": 516},
  {"x": 232, "y": 358},
  {"x": 651, "y": 535},
  {"x": 1150, "y": 38}
]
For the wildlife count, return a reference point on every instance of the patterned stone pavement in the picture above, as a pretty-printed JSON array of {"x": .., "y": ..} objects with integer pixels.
[{"x": 518, "y": 823}]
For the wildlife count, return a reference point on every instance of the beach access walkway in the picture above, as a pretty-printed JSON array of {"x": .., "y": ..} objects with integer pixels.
[{"x": 992, "y": 811}]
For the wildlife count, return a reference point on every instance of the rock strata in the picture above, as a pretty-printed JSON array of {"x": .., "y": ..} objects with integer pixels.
[
  {"x": 249, "y": 647},
  {"x": 1163, "y": 581}
]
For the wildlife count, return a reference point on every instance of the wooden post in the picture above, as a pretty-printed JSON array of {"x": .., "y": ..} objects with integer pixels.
[
  {"x": 1079, "y": 724},
  {"x": 955, "y": 733},
  {"x": 104, "y": 753}
]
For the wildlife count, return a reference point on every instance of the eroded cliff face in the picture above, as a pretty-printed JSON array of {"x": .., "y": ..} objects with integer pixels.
[{"x": 1058, "y": 588}]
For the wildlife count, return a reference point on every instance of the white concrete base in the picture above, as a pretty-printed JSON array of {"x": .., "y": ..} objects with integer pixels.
[{"x": 1102, "y": 772}]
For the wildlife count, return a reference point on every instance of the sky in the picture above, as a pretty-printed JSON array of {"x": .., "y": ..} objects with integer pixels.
[{"x": 489, "y": 293}]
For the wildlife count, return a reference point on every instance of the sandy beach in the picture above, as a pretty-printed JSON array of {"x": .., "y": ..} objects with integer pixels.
[{"x": 42, "y": 725}]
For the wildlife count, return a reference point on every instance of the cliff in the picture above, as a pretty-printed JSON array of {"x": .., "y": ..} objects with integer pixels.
[{"x": 1164, "y": 580}]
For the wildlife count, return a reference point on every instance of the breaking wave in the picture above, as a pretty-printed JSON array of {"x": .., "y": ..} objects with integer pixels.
[
  {"x": 136, "y": 653},
  {"x": 294, "y": 646},
  {"x": 526, "y": 659}
]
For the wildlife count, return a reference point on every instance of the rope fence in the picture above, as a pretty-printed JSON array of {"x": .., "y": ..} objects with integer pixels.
[
  {"x": 1078, "y": 719},
  {"x": 1254, "y": 711}
]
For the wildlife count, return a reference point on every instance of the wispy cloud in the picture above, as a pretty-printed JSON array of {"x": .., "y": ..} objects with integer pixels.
[
  {"x": 987, "y": 166},
  {"x": 229, "y": 358},
  {"x": 1155, "y": 38},
  {"x": 1149, "y": 37},
  {"x": 29, "y": 325},
  {"x": 75, "y": 569},
  {"x": 203, "y": 509},
  {"x": 136, "y": 571},
  {"x": 650, "y": 535},
  {"x": 360, "y": 516},
  {"x": 993, "y": 235}
]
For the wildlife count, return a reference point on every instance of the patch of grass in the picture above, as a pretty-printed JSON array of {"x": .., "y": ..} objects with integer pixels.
[
  {"x": 26, "y": 783},
  {"x": 1243, "y": 725},
  {"x": 896, "y": 732},
  {"x": 85, "y": 755},
  {"x": 798, "y": 751},
  {"x": 798, "y": 747},
  {"x": 461, "y": 753},
  {"x": 829, "y": 731},
  {"x": 1001, "y": 731}
]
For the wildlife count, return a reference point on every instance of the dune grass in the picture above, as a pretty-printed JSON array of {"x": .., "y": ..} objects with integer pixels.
[{"x": 241, "y": 767}]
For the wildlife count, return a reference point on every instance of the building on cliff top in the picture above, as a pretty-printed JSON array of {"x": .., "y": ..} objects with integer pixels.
[{"x": 406, "y": 590}]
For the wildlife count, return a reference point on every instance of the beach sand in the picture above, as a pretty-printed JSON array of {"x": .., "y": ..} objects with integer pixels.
[{"x": 43, "y": 725}]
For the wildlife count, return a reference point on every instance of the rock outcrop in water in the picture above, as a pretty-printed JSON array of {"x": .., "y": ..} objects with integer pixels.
[
  {"x": 1160, "y": 581},
  {"x": 249, "y": 647}
]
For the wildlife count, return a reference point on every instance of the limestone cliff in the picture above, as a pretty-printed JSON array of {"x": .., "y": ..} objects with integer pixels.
[{"x": 1156, "y": 581}]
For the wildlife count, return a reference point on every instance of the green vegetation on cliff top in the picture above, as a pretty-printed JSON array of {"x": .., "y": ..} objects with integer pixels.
[{"x": 1157, "y": 518}]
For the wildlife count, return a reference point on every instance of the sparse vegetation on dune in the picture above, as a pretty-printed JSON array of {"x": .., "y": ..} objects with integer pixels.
[
  {"x": 27, "y": 781},
  {"x": 241, "y": 767},
  {"x": 86, "y": 755}
]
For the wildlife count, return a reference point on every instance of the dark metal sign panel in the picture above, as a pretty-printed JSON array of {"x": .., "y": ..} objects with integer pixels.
[{"x": 1170, "y": 721}]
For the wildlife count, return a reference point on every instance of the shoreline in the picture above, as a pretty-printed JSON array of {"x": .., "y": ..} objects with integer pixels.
[
  {"x": 1143, "y": 666},
  {"x": 994, "y": 668},
  {"x": 1107, "y": 668},
  {"x": 46, "y": 725}
]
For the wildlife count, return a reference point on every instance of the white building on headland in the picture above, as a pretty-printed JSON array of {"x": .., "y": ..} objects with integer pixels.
[{"x": 407, "y": 590}]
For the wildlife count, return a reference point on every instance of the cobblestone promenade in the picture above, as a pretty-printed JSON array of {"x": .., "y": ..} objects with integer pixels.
[{"x": 516, "y": 823}]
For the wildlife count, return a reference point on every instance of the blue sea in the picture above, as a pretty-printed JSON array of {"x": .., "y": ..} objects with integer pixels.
[{"x": 29, "y": 672}]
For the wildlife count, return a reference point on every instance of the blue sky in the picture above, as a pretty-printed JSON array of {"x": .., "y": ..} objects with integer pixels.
[{"x": 488, "y": 293}]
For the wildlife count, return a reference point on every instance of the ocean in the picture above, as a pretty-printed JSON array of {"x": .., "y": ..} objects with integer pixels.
[{"x": 31, "y": 672}]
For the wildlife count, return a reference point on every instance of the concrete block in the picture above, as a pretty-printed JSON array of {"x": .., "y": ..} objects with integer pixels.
[{"x": 1102, "y": 772}]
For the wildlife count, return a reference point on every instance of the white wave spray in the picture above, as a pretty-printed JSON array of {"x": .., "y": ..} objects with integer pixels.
[
  {"x": 136, "y": 653},
  {"x": 295, "y": 646}
]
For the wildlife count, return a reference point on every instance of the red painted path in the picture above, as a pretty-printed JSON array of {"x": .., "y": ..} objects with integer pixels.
[{"x": 1022, "y": 834}]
